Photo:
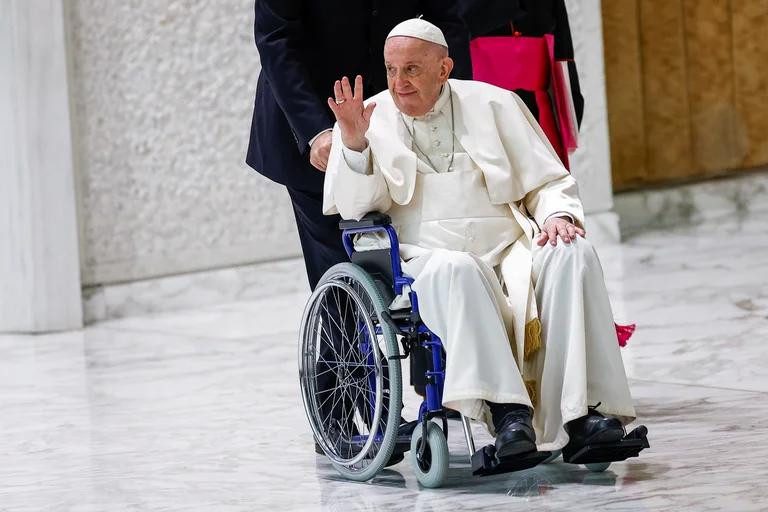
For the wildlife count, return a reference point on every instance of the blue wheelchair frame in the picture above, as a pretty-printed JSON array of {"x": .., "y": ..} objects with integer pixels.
[{"x": 431, "y": 406}]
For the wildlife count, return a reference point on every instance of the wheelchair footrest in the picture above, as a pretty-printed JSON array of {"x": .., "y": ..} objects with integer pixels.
[
  {"x": 485, "y": 462},
  {"x": 630, "y": 446}
]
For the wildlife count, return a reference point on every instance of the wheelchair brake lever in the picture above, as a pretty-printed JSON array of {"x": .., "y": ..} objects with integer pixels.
[{"x": 391, "y": 323}]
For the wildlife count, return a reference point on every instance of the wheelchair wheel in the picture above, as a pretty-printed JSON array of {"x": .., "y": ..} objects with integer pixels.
[
  {"x": 432, "y": 468},
  {"x": 352, "y": 391}
]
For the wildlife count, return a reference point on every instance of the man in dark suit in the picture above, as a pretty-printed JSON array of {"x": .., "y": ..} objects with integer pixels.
[{"x": 305, "y": 45}]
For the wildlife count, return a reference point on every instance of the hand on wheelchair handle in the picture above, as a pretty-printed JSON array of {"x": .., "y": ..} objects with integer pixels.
[
  {"x": 353, "y": 118},
  {"x": 558, "y": 226}
]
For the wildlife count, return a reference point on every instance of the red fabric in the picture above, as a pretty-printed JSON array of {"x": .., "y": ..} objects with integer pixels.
[
  {"x": 565, "y": 121},
  {"x": 624, "y": 332},
  {"x": 525, "y": 63}
]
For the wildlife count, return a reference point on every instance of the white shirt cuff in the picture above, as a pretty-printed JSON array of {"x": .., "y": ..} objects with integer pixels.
[
  {"x": 358, "y": 161},
  {"x": 312, "y": 140}
]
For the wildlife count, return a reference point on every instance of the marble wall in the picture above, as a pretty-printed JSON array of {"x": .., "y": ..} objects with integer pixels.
[
  {"x": 39, "y": 271},
  {"x": 162, "y": 96}
]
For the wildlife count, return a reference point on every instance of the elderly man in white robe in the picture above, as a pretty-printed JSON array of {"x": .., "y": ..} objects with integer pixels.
[{"x": 491, "y": 229}]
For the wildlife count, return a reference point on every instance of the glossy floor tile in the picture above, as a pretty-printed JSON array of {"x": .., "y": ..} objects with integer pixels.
[{"x": 199, "y": 410}]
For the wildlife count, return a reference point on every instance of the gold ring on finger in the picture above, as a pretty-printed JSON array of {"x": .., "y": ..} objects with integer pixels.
[{"x": 339, "y": 102}]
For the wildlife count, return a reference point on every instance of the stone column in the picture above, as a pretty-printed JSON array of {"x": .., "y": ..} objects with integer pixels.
[
  {"x": 39, "y": 257},
  {"x": 591, "y": 163}
]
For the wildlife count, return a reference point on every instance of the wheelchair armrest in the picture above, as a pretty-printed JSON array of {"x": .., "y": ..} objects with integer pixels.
[
  {"x": 369, "y": 220},
  {"x": 385, "y": 262}
]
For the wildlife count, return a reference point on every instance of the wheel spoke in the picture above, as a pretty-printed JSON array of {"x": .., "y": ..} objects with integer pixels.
[
  {"x": 330, "y": 343},
  {"x": 332, "y": 395},
  {"x": 344, "y": 335},
  {"x": 337, "y": 309},
  {"x": 337, "y": 398}
]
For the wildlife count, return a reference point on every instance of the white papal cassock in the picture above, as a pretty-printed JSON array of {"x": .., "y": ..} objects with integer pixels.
[{"x": 520, "y": 323}]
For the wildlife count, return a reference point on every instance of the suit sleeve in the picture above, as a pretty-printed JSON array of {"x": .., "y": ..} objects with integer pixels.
[
  {"x": 564, "y": 51},
  {"x": 445, "y": 14},
  {"x": 279, "y": 35}
]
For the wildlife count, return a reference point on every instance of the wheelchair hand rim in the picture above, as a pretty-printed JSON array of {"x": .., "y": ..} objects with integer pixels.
[{"x": 309, "y": 394}]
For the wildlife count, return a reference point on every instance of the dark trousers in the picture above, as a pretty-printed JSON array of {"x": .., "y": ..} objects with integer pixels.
[{"x": 319, "y": 234}]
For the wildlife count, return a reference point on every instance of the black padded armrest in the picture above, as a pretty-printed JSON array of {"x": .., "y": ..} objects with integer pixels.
[{"x": 369, "y": 220}]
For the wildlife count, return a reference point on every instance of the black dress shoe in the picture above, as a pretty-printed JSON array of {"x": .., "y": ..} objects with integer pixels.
[
  {"x": 594, "y": 428},
  {"x": 403, "y": 445},
  {"x": 406, "y": 428},
  {"x": 453, "y": 415},
  {"x": 514, "y": 431}
]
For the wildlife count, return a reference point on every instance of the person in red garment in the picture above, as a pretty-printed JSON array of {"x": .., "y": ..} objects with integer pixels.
[{"x": 525, "y": 46}]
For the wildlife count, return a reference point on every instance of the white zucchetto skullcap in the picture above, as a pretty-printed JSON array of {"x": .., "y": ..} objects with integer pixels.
[{"x": 420, "y": 29}]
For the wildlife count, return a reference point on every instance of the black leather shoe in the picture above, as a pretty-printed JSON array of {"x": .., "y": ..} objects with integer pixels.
[
  {"x": 403, "y": 445},
  {"x": 453, "y": 415},
  {"x": 406, "y": 428},
  {"x": 514, "y": 431},
  {"x": 594, "y": 428}
]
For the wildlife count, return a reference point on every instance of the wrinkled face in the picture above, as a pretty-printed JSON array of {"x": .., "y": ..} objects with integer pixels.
[{"x": 416, "y": 70}]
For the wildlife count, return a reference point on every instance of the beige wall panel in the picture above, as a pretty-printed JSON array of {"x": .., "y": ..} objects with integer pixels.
[
  {"x": 750, "y": 48},
  {"x": 716, "y": 126},
  {"x": 624, "y": 84},
  {"x": 667, "y": 125}
]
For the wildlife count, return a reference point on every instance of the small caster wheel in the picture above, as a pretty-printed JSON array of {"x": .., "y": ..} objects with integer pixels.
[
  {"x": 551, "y": 458},
  {"x": 597, "y": 467},
  {"x": 432, "y": 468}
]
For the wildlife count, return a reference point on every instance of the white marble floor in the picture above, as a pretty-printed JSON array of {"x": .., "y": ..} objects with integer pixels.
[{"x": 199, "y": 410}]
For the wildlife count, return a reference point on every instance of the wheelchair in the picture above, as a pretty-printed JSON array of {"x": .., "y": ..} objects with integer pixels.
[{"x": 351, "y": 348}]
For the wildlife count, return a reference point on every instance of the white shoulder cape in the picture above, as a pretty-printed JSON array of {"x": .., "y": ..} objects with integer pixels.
[{"x": 492, "y": 124}]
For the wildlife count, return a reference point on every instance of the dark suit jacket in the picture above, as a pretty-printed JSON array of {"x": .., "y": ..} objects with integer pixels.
[{"x": 305, "y": 46}]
